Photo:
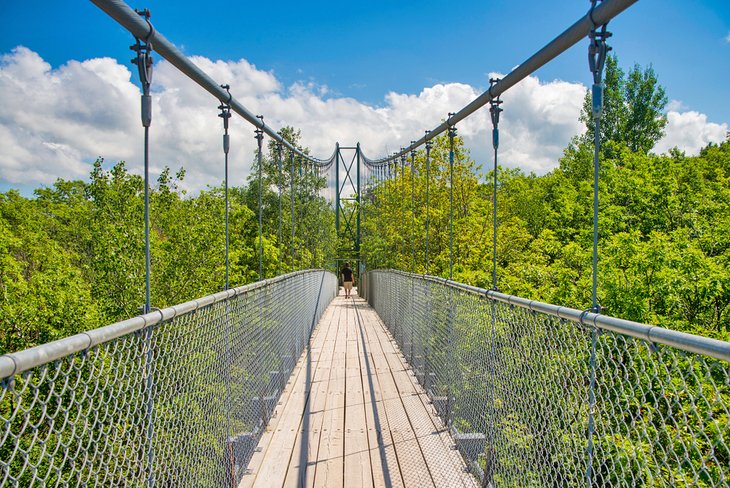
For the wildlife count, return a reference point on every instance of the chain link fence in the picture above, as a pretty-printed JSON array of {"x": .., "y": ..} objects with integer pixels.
[
  {"x": 177, "y": 397},
  {"x": 537, "y": 395}
]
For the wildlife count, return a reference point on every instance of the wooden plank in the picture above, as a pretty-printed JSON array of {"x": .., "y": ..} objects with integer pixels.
[
  {"x": 358, "y": 471},
  {"x": 275, "y": 442},
  {"x": 444, "y": 462},
  {"x": 411, "y": 462},
  {"x": 354, "y": 415},
  {"x": 329, "y": 463},
  {"x": 301, "y": 467},
  {"x": 383, "y": 458}
]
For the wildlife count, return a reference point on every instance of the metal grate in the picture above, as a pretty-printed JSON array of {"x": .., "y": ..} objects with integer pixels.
[
  {"x": 178, "y": 397},
  {"x": 540, "y": 395}
]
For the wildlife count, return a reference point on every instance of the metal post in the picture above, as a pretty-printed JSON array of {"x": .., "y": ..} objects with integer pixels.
[
  {"x": 389, "y": 187},
  {"x": 305, "y": 208},
  {"x": 491, "y": 455},
  {"x": 301, "y": 210}
]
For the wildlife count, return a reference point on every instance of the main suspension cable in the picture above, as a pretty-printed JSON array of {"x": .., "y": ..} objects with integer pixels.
[{"x": 601, "y": 14}]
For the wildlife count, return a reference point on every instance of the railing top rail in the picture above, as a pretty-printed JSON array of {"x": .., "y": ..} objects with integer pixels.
[
  {"x": 652, "y": 333},
  {"x": 17, "y": 362}
]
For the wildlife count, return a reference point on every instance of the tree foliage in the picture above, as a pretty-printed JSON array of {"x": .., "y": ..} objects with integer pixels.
[
  {"x": 664, "y": 232},
  {"x": 633, "y": 108},
  {"x": 72, "y": 258}
]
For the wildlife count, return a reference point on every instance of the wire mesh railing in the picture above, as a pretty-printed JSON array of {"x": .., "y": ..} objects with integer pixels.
[
  {"x": 177, "y": 397},
  {"x": 539, "y": 395}
]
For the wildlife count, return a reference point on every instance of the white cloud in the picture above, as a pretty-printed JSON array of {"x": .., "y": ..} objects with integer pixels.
[
  {"x": 727, "y": 38},
  {"x": 690, "y": 131},
  {"x": 55, "y": 122},
  {"x": 676, "y": 106},
  {"x": 539, "y": 120}
]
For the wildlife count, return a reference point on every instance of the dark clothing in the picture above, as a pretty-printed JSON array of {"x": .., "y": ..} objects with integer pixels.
[{"x": 346, "y": 274}]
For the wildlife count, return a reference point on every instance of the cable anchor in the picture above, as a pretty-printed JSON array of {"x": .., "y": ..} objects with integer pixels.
[
  {"x": 144, "y": 61},
  {"x": 259, "y": 130},
  {"x": 494, "y": 111},
  {"x": 452, "y": 129},
  {"x": 597, "y": 52},
  {"x": 225, "y": 114}
]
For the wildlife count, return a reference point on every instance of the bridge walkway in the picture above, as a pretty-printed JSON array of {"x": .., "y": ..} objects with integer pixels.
[{"x": 353, "y": 414}]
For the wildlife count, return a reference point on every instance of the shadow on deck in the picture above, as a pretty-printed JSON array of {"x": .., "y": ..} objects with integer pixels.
[{"x": 353, "y": 414}]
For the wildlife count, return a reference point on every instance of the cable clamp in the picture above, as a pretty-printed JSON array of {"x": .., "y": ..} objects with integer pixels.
[
  {"x": 452, "y": 128},
  {"x": 144, "y": 53},
  {"x": 144, "y": 67},
  {"x": 225, "y": 108},
  {"x": 147, "y": 14},
  {"x": 259, "y": 131},
  {"x": 590, "y": 325},
  {"x": 494, "y": 111},
  {"x": 494, "y": 104},
  {"x": 597, "y": 50}
]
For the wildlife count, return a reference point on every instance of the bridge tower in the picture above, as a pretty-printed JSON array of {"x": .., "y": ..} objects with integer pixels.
[{"x": 347, "y": 202}]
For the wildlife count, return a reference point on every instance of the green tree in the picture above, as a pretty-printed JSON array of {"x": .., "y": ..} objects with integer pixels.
[{"x": 633, "y": 108}]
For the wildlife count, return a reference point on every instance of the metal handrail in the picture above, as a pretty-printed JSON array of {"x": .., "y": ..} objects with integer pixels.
[
  {"x": 17, "y": 362},
  {"x": 652, "y": 333}
]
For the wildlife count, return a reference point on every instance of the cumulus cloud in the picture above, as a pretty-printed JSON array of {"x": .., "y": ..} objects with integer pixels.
[
  {"x": 54, "y": 119},
  {"x": 690, "y": 131},
  {"x": 55, "y": 122},
  {"x": 539, "y": 120}
]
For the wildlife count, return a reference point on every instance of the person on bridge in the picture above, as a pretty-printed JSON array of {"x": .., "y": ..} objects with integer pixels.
[{"x": 347, "y": 279}]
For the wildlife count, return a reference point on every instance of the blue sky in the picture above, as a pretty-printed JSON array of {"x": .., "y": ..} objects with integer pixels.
[{"x": 366, "y": 50}]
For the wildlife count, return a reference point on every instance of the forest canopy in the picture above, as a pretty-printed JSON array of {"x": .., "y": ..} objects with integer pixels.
[{"x": 72, "y": 257}]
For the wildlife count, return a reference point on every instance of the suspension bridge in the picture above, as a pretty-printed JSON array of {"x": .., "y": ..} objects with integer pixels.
[{"x": 414, "y": 381}]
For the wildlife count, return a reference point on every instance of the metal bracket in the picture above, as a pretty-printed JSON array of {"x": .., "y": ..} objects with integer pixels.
[
  {"x": 597, "y": 52},
  {"x": 494, "y": 111}
]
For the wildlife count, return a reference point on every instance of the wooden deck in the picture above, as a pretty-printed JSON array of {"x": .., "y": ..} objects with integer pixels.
[{"x": 353, "y": 414}]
